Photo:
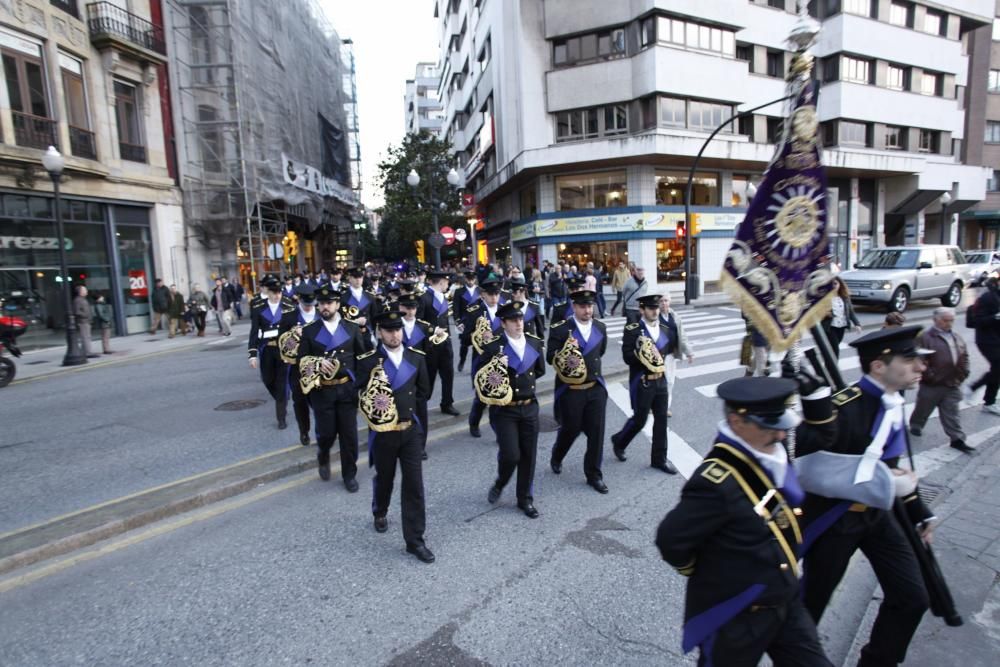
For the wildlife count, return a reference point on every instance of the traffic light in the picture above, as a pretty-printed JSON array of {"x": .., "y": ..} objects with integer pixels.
[
  {"x": 680, "y": 229},
  {"x": 286, "y": 249},
  {"x": 695, "y": 224},
  {"x": 420, "y": 251}
]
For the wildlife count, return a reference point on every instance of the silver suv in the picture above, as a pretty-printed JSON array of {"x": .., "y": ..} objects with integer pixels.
[{"x": 892, "y": 276}]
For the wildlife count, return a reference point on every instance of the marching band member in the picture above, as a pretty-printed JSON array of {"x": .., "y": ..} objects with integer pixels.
[{"x": 265, "y": 324}]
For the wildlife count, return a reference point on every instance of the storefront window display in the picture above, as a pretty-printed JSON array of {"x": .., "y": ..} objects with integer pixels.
[
  {"x": 608, "y": 253},
  {"x": 670, "y": 186},
  {"x": 605, "y": 189},
  {"x": 136, "y": 279},
  {"x": 740, "y": 197},
  {"x": 670, "y": 259}
]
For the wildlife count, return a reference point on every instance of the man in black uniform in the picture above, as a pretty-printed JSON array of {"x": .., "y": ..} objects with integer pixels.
[
  {"x": 334, "y": 402},
  {"x": 396, "y": 438},
  {"x": 416, "y": 335},
  {"x": 486, "y": 307},
  {"x": 298, "y": 318},
  {"x": 434, "y": 308},
  {"x": 849, "y": 508},
  {"x": 735, "y": 533},
  {"x": 647, "y": 387},
  {"x": 359, "y": 305},
  {"x": 534, "y": 319},
  {"x": 583, "y": 399},
  {"x": 463, "y": 298},
  {"x": 265, "y": 325},
  {"x": 516, "y": 423}
]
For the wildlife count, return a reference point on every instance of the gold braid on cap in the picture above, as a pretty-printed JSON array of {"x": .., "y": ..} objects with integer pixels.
[
  {"x": 569, "y": 363},
  {"x": 311, "y": 373},
  {"x": 377, "y": 402},
  {"x": 648, "y": 355},
  {"x": 492, "y": 382},
  {"x": 482, "y": 334},
  {"x": 288, "y": 344}
]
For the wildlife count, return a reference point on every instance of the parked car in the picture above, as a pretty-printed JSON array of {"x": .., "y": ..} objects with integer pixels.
[
  {"x": 982, "y": 264},
  {"x": 893, "y": 276}
]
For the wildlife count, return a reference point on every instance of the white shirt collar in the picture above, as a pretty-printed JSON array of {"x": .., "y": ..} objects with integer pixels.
[
  {"x": 652, "y": 326},
  {"x": 408, "y": 325},
  {"x": 357, "y": 292},
  {"x": 310, "y": 316},
  {"x": 492, "y": 310},
  {"x": 584, "y": 328},
  {"x": 518, "y": 344},
  {"x": 775, "y": 463},
  {"x": 331, "y": 325},
  {"x": 395, "y": 356}
]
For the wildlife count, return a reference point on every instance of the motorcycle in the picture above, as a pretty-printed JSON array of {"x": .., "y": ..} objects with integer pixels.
[{"x": 10, "y": 329}]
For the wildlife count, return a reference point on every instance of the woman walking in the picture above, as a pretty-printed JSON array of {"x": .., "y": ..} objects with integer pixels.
[{"x": 841, "y": 317}]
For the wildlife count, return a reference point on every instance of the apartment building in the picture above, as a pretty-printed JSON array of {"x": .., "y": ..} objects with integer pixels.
[
  {"x": 575, "y": 122},
  {"x": 88, "y": 79},
  {"x": 421, "y": 102}
]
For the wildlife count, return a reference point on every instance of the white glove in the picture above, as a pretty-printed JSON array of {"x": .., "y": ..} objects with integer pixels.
[{"x": 904, "y": 482}]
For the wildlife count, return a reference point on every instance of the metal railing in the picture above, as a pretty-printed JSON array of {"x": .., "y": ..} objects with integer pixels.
[
  {"x": 106, "y": 19},
  {"x": 34, "y": 131},
  {"x": 68, "y": 6},
  {"x": 81, "y": 143},
  {"x": 132, "y": 152}
]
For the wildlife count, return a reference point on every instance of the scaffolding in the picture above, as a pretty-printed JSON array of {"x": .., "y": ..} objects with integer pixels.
[
  {"x": 351, "y": 113},
  {"x": 265, "y": 137}
]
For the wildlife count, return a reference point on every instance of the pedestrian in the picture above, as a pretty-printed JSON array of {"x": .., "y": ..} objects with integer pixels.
[
  {"x": 440, "y": 353},
  {"x": 618, "y": 280},
  {"x": 634, "y": 288},
  {"x": 848, "y": 464},
  {"x": 464, "y": 297},
  {"x": 476, "y": 334},
  {"x": 574, "y": 350},
  {"x": 265, "y": 326},
  {"x": 175, "y": 311},
  {"x": 238, "y": 294},
  {"x": 602, "y": 304},
  {"x": 557, "y": 294},
  {"x": 894, "y": 319},
  {"x": 679, "y": 347},
  {"x": 755, "y": 353},
  {"x": 985, "y": 319},
  {"x": 198, "y": 303},
  {"x": 940, "y": 384},
  {"x": 392, "y": 379},
  {"x": 536, "y": 289},
  {"x": 648, "y": 390},
  {"x": 83, "y": 314},
  {"x": 222, "y": 303},
  {"x": 104, "y": 316},
  {"x": 840, "y": 318},
  {"x": 289, "y": 341},
  {"x": 328, "y": 352},
  {"x": 514, "y": 419},
  {"x": 161, "y": 301},
  {"x": 743, "y": 592}
]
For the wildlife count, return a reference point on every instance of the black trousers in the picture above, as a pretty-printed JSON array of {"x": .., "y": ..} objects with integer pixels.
[
  {"x": 336, "y": 411},
  {"x": 881, "y": 540},
  {"x": 300, "y": 402},
  {"x": 785, "y": 632},
  {"x": 991, "y": 378},
  {"x": 386, "y": 450},
  {"x": 441, "y": 362},
  {"x": 516, "y": 427},
  {"x": 582, "y": 411},
  {"x": 653, "y": 397},
  {"x": 273, "y": 372},
  {"x": 477, "y": 407},
  {"x": 463, "y": 352}
]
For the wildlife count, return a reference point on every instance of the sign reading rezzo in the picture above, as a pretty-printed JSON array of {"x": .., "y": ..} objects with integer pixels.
[{"x": 653, "y": 221}]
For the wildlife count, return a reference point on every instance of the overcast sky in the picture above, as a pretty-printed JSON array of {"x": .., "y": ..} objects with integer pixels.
[{"x": 390, "y": 38}]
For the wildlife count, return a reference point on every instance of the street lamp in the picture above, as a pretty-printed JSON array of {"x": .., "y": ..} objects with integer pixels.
[
  {"x": 413, "y": 180},
  {"x": 359, "y": 227},
  {"x": 54, "y": 164}
]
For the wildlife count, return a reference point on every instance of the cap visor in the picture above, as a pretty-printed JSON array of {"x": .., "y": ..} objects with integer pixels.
[{"x": 787, "y": 420}]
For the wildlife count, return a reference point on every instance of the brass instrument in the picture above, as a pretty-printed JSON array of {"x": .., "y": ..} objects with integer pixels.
[
  {"x": 377, "y": 402},
  {"x": 482, "y": 334},
  {"x": 288, "y": 344},
  {"x": 648, "y": 355},
  {"x": 311, "y": 373},
  {"x": 439, "y": 338},
  {"x": 351, "y": 312},
  {"x": 569, "y": 363},
  {"x": 492, "y": 382}
]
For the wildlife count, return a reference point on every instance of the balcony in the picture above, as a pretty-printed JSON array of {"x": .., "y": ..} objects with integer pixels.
[
  {"x": 68, "y": 6},
  {"x": 34, "y": 131},
  {"x": 132, "y": 152},
  {"x": 81, "y": 143},
  {"x": 113, "y": 27}
]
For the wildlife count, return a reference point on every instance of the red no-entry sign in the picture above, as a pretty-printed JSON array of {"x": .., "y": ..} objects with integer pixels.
[{"x": 449, "y": 235}]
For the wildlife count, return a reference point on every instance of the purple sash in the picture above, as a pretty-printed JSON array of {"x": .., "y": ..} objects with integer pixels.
[
  {"x": 525, "y": 364},
  {"x": 331, "y": 342},
  {"x": 418, "y": 335},
  {"x": 398, "y": 377}
]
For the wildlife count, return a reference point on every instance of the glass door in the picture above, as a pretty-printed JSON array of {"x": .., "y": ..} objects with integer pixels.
[{"x": 34, "y": 294}]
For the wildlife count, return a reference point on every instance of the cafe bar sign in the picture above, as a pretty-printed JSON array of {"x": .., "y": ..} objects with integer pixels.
[{"x": 641, "y": 221}]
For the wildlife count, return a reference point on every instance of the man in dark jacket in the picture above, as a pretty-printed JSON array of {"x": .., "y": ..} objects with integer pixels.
[
  {"x": 986, "y": 316},
  {"x": 175, "y": 311},
  {"x": 161, "y": 302},
  {"x": 946, "y": 369}
]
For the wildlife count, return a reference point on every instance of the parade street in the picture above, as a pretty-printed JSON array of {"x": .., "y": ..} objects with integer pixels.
[{"x": 289, "y": 570}]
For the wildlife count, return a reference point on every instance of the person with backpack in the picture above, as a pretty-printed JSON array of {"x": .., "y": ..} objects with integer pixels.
[{"x": 984, "y": 317}]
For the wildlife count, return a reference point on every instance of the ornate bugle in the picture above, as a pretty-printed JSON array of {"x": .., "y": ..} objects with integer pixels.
[
  {"x": 439, "y": 338},
  {"x": 377, "y": 403},
  {"x": 492, "y": 382},
  {"x": 288, "y": 344},
  {"x": 569, "y": 363},
  {"x": 648, "y": 355},
  {"x": 482, "y": 334}
]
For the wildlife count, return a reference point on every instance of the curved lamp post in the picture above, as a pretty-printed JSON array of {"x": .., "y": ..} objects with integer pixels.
[{"x": 413, "y": 180}]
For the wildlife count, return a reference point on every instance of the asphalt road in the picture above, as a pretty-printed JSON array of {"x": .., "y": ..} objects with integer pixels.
[{"x": 294, "y": 573}]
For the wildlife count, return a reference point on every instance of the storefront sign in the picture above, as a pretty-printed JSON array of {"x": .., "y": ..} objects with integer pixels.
[
  {"x": 33, "y": 243},
  {"x": 652, "y": 221},
  {"x": 304, "y": 177},
  {"x": 137, "y": 285}
]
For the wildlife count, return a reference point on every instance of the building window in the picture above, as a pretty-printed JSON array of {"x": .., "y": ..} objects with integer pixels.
[
  {"x": 992, "y": 132},
  {"x": 930, "y": 84},
  {"x": 777, "y": 4},
  {"x": 605, "y": 189},
  {"x": 24, "y": 73},
  {"x": 210, "y": 138},
  {"x": 696, "y": 36},
  {"x": 996, "y": 29},
  {"x": 706, "y": 116},
  {"x": 993, "y": 182},
  {"x": 201, "y": 45},
  {"x": 68, "y": 6},
  {"x": 616, "y": 119},
  {"x": 774, "y": 130},
  {"x": 745, "y": 126},
  {"x": 741, "y": 185},
  {"x": 935, "y": 23},
  {"x": 130, "y": 140},
  {"x": 81, "y": 139},
  {"x": 859, "y": 7},
  {"x": 670, "y": 188},
  {"x": 856, "y": 70},
  {"x": 930, "y": 141},
  {"x": 897, "y": 78},
  {"x": 587, "y": 48},
  {"x": 673, "y": 112},
  {"x": 590, "y": 123},
  {"x": 745, "y": 52},
  {"x": 901, "y": 14},
  {"x": 994, "y": 82},
  {"x": 895, "y": 138},
  {"x": 776, "y": 64},
  {"x": 647, "y": 32},
  {"x": 853, "y": 134},
  {"x": 484, "y": 55}
]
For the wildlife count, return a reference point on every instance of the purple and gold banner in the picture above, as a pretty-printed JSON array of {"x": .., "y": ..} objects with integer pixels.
[{"x": 778, "y": 268}]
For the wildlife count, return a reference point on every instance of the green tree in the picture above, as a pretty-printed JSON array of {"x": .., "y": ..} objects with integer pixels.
[{"x": 406, "y": 214}]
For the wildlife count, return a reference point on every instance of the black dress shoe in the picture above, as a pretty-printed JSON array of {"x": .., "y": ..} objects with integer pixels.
[
  {"x": 618, "y": 451},
  {"x": 282, "y": 424},
  {"x": 421, "y": 552},
  {"x": 450, "y": 410},
  {"x": 304, "y": 439},
  {"x": 666, "y": 467},
  {"x": 351, "y": 484},
  {"x": 423, "y": 455},
  {"x": 528, "y": 508},
  {"x": 916, "y": 430},
  {"x": 962, "y": 447},
  {"x": 598, "y": 485},
  {"x": 324, "y": 472},
  {"x": 494, "y": 495},
  {"x": 556, "y": 467},
  {"x": 461, "y": 366},
  {"x": 474, "y": 431},
  {"x": 381, "y": 524}
]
